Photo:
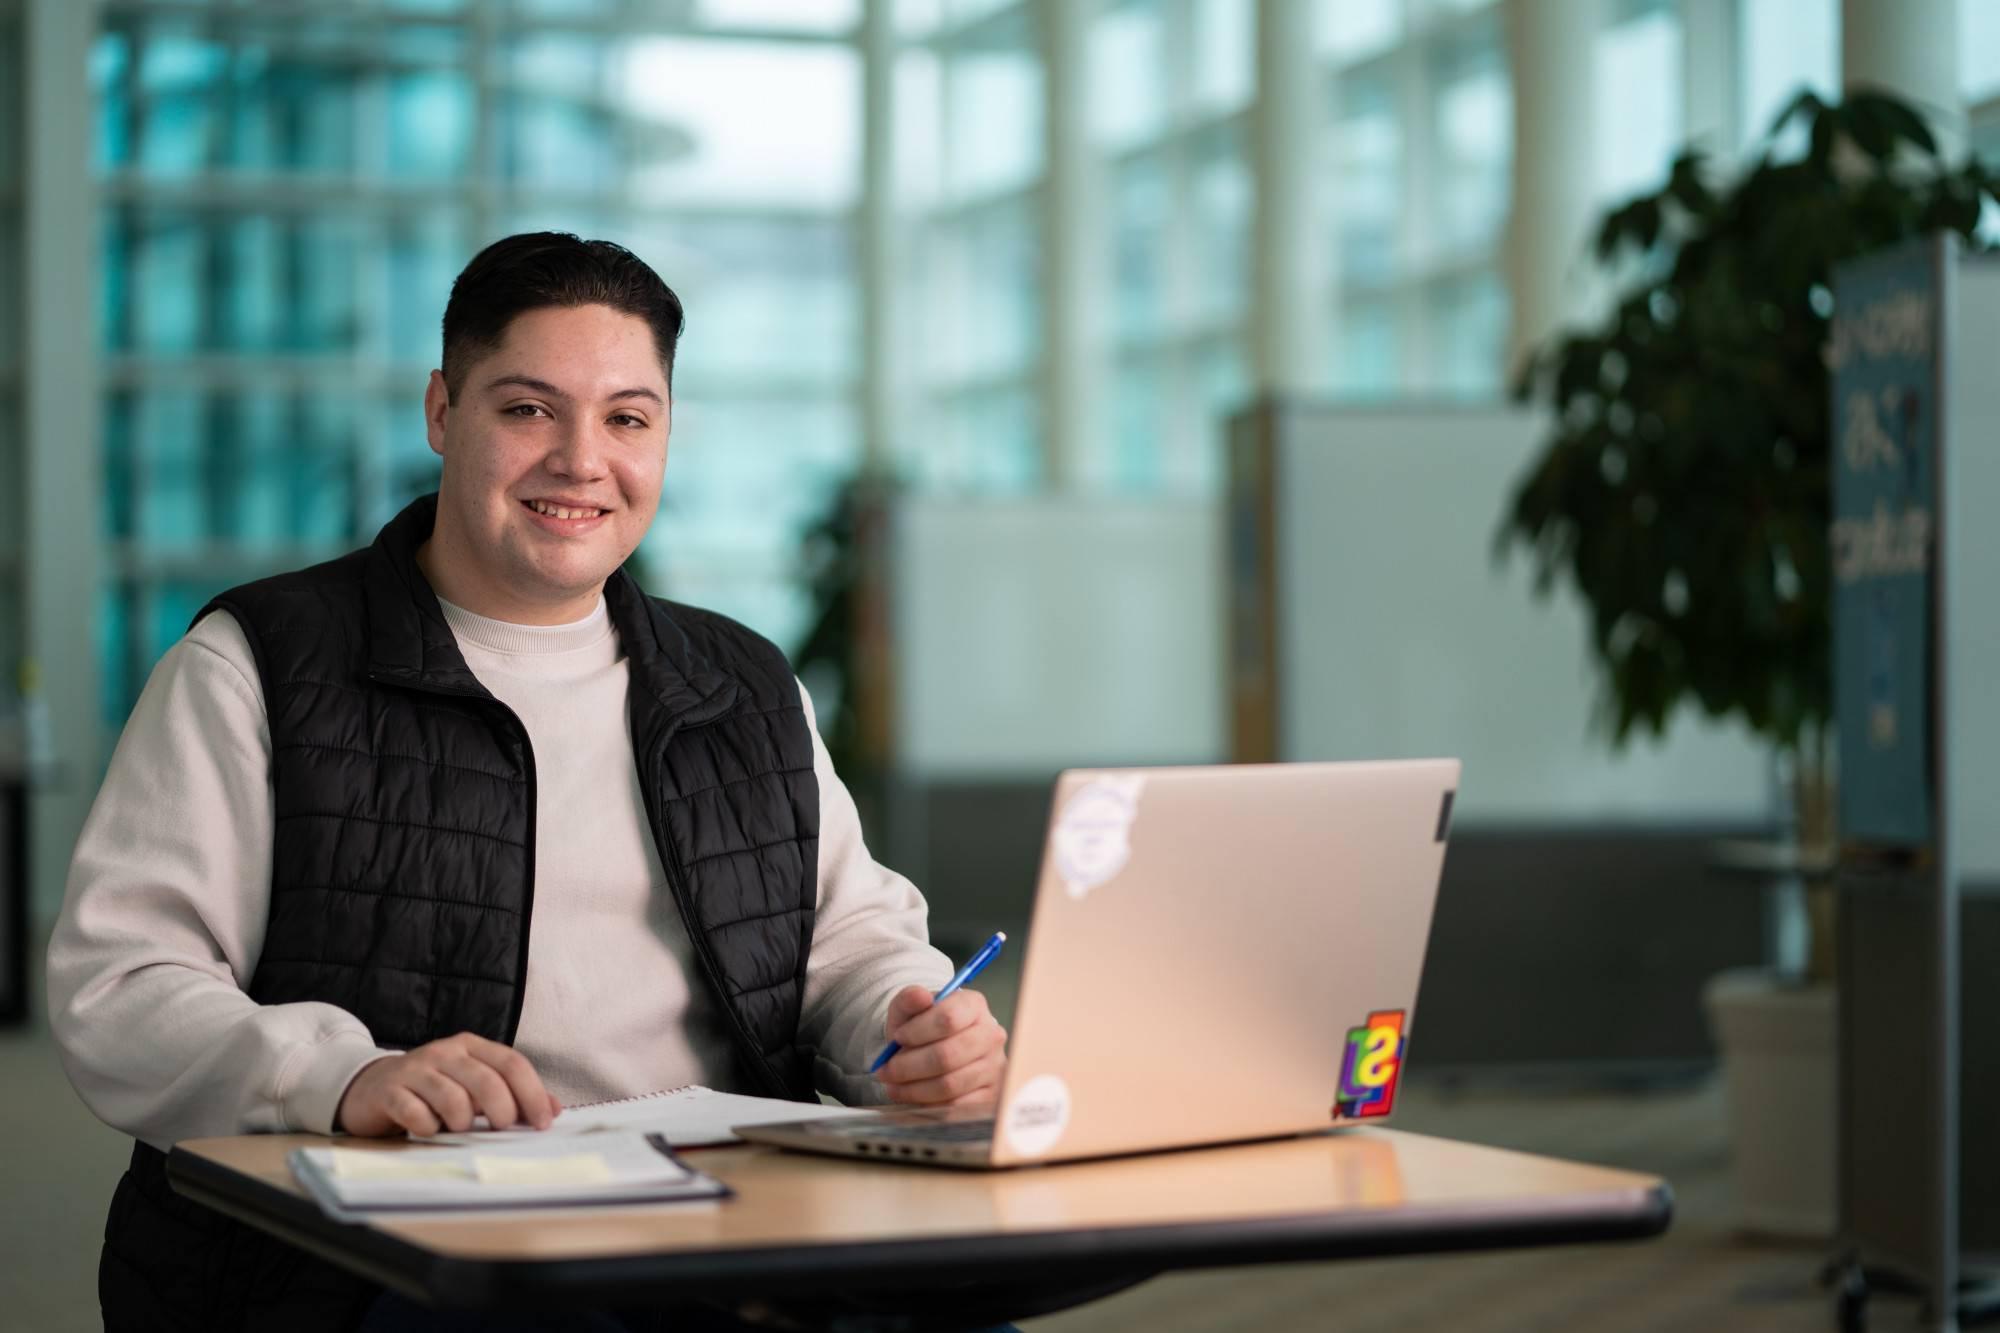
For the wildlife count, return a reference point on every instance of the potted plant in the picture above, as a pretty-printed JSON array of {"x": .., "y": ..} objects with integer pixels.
[{"x": 1684, "y": 491}]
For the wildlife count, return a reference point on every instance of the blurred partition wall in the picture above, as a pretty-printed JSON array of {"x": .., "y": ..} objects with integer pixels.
[
  {"x": 1032, "y": 635},
  {"x": 1579, "y": 914}
]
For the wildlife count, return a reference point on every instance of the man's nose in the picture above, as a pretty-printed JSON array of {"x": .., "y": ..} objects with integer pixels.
[{"x": 579, "y": 451}]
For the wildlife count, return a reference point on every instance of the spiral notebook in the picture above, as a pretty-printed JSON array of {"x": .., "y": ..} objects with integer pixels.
[
  {"x": 603, "y": 1170},
  {"x": 686, "y": 1117}
]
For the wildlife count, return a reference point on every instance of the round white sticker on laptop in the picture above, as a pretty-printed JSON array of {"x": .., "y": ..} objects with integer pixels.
[
  {"x": 1037, "y": 1116},
  {"x": 1093, "y": 833}
]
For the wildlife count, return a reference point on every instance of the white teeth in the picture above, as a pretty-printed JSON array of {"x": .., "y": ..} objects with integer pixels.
[{"x": 557, "y": 511}]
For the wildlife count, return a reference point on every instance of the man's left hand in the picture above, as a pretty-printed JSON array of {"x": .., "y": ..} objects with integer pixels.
[{"x": 954, "y": 1052}]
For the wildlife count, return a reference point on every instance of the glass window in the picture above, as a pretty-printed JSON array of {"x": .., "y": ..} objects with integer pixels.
[
  {"x": 918, "y": 152},
  {"x": 1349, "y": 30},
  {"x": 721, "y": 122},
  {"x": 168, "y": 430},
  {"x": 1637, "y": 103},
  {"x": 1786, "y": 46},
  {"x": 821, "y": 16},
  {"x": 989, "y": 267},
  {"x": 962, "y": 13},
  {"x": 1474, "y": 120},
  {"x": 110, "y": 83},
  {"x": 1368, "y": 362},
  {"x": 1141, "y": 426},
  {"x": 993, "y": 119},
  {"x": 431, "y": 115},
  {"x": 1002, "y": 445},
  {"x": 424, "y": 253},
  {"x": 766, "y": 298},
  {"x": 1224, "y": 386},
  {"x": 1364, "y": 191},
  {"x": 1140, "y": 204},
  {"x": 170, "y": 269},
  {"x": 1225, "y": 54},
  {"x": 1224, "y": 205},
  {"x": 1469, "y": 335},
  {"x": 1978, "y": 50},
  {"x": 1127, "y": 87},
  {"x": 178, "y": 77}
]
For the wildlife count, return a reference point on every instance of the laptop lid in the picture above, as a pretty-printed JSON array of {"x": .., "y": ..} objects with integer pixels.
[{"x": 1221, "y": 953}]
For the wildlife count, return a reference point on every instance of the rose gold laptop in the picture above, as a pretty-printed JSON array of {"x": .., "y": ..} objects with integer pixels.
[{"x": 1215, "y": 954}]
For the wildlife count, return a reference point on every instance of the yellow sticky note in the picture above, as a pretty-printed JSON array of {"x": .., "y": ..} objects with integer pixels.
[
  {"x": 584, "y": 1168},
  {"x": 351, "y": 1164}
]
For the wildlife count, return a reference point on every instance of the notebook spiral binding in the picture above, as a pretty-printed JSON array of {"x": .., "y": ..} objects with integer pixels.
[{"x": 637, "y": 1097}]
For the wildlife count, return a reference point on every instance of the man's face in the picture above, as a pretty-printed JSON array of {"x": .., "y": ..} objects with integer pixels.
[{"x": 553, "y": 456}]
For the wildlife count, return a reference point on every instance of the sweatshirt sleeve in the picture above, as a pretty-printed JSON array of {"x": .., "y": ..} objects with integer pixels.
[
  {"x": 870, "y": 939},
  {"x": 163, "y": 919}
]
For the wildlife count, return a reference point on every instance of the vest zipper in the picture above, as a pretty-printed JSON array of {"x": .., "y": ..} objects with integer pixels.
[
  {"x": 528, "y": 898},
  {"x": 677, "y": 884}
]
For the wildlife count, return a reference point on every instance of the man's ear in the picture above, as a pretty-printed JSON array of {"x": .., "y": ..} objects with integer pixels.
[{"x": 437, "y": 406}]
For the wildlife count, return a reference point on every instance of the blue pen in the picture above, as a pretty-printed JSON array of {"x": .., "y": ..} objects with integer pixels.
[{"x": 965, "y": 974}]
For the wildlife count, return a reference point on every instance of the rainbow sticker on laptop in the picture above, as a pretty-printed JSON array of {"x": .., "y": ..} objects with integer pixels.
[{"x": 1370, "y": 1065}]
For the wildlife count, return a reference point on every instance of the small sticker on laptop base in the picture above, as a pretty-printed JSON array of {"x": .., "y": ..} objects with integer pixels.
[
  {"x": 1037, "y": 1116},
  {"x": 1371, "y": 1062},
  {"x": 1093, "y": 833}
]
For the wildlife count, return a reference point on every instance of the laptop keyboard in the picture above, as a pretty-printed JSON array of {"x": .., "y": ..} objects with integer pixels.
[{"x": 955, "y": 1131}]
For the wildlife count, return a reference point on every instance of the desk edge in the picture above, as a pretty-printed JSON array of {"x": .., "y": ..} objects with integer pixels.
[{"x": 1599, "y": 1217}]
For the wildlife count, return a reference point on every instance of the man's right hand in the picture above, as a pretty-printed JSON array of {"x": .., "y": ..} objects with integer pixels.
[{"x": 443, "y": 1085}]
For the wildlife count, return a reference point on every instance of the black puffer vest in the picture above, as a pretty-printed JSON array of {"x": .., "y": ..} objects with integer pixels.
[{"x": 402, "y": 874}]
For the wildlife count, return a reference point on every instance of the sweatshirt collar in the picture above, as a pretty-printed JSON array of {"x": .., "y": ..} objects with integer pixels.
[{"x": 411, "y": 643}]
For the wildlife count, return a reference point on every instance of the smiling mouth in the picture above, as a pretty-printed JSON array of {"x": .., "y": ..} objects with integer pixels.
[{"x": 548, "y": 510}]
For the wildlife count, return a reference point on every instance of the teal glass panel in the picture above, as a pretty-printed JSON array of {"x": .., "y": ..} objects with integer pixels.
[
  {"x": 117, "y": 246},
  {"x": 1469, "y": 335},
  {"x": 319, "y": 457},
  {"x": 167, "y": 449},
  {"x": 178, "y": 78},
  {"x": 1369, "y": 359},
  {"x": 431, "y": 116},
  {"x": 251, "y": 281},
  {"x": 1140, "y": 211},
  {"x": 1225, "y": 54},
  {"x": 111, "y": 88},
  {"x": 321, "y": 300},
  {"x": 425, "y": 253},
  {"x": 1127, "y": 88},
  {"x": 120, "y": 445},
  {"x": 1223, "y": 215},
  {"x": 775, "y": 298},
  {"x": 169, "y": 282},
  {"x": 1139, "y": 390},
  {"x": 1349, "y": 30},
  {"x": 993, "y": 106},
  {"x": 118, "y": 688},
  {"x": 1003, "y": 441},
  {"x": 1368, "y": 146}
]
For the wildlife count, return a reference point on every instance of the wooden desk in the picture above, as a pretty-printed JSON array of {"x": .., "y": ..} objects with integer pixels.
[{"x": 814, "y": 1223}]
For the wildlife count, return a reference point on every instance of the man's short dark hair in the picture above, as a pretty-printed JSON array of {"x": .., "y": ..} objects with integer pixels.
[{"x": 538, "y": 269}]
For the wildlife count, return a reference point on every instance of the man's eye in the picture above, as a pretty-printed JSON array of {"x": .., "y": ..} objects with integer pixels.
[
  {"x": 523, "y": 409},
  {"x": 629, "y": 420}
]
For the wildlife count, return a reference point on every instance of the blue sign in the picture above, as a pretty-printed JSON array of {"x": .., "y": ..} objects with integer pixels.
[{"x": 1884, "y": 361}]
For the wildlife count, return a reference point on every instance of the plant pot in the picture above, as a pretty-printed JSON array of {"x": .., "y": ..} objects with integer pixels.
[{"x": 1778, "y": 1060}]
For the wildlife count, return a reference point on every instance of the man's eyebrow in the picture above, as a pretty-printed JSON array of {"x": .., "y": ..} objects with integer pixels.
[{"x": 549, "y": 390}]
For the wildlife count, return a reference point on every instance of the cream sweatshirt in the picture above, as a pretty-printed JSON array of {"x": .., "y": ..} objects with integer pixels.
[{"x": 169, "y": 888}]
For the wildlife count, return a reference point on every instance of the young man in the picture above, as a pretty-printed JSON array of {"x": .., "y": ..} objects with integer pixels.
[{"x": 464, "y": 823}]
